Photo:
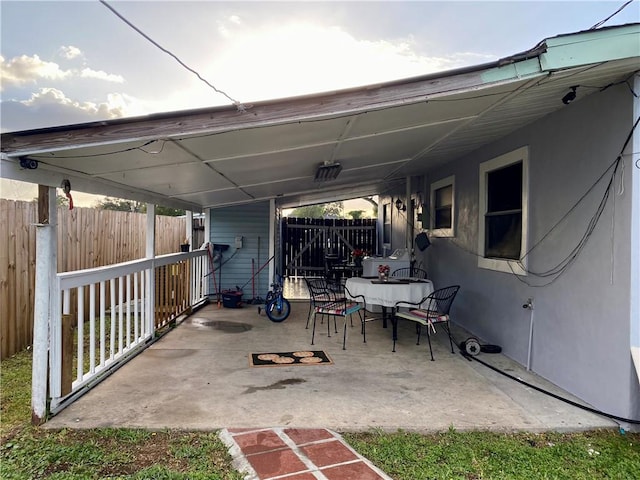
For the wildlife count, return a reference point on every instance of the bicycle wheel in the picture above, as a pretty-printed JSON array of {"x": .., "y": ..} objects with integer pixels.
[{"x": 278, "y": 309}]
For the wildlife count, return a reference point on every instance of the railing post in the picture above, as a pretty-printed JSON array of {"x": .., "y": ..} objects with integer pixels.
[
  {"x": 66, "y": 347},
  {"x": 66, "y": 380},
  {"x": 150, "y": 283}
]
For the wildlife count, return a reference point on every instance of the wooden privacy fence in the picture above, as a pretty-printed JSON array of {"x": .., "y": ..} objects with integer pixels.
[
  {"x": 87, "y": 238},
  {"x": 306, "y": 241}
]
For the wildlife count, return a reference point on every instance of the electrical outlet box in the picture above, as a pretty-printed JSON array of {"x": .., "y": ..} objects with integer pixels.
[{"x": 239, "y": 242}]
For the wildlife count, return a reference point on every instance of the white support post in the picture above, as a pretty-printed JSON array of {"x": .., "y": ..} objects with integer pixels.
[
  {"x": 207, "y": 239},
  {"x": 207, "y": 225},
  {"x": 55, "y": 301},
  {"x": 634, "y": 281},
  {"x": 272, "y": 238},
  {"x": 408, "y": 239},
  {"x": 46, "y": 268},
  {"x": 150, "y": 283},
  {"x": 189, "y": 230}
]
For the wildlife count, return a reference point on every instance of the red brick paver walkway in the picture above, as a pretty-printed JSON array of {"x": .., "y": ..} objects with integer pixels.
[{"x": 296, "y": 454}]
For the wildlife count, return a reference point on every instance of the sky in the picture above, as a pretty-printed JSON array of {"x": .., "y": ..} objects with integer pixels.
[{"x": 66, "y": 62}]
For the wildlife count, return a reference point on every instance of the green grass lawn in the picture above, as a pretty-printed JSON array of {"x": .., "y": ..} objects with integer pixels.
[
  {"x": 28, "y": 452},
  {"x": 484, "y": 455}
]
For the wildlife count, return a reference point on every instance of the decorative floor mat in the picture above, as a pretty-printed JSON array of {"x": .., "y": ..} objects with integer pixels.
[{"x": 283, "y": 359}]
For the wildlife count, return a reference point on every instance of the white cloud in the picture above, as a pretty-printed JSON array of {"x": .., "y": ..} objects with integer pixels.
[
  {"x": 101, "y": 75},
  {"x": 225, "y": 26},
  {"x": 113, "y": 108},
  {"x": 302, "y": 58},
  {"x": 252, "y": 64},
  {"x": 51, "y": 107},
  {"x": 70, "y": 52},
  {"x": 296, "y": 59},
  {"x": 25, "y": 69}
]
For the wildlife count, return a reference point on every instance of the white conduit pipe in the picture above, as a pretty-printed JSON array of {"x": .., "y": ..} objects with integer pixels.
[{"x": 529, "y": 306}]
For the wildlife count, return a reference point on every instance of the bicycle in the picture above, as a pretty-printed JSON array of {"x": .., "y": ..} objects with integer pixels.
[{"x": 276, "y": 306}]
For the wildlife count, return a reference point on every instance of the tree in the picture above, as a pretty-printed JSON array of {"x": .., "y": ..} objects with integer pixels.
[
  {"x": 323, "y": 210},
  {"x": 169, "y": 212},
  {"x": 310, "y": 211},
  {"x": 356, "y": 214},
  {"x": 334, "y": 210},
  {"x": 122, "y": 205},
  {"x": 374, "y": 204}
]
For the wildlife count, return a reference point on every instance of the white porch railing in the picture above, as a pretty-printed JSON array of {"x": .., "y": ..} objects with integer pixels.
[{"x": 102, "y": 316}]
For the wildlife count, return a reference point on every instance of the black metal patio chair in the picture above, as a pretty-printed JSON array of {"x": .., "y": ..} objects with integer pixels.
[
  {"x": 325, "y": 301},
  {"x": 429, "y": 311},
  {"x": 409, "y": 272}
]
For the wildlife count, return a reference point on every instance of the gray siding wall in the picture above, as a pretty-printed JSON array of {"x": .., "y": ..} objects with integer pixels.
[
  {"x": 581, "y": 321},
  {"x": 252, "y": 223}
]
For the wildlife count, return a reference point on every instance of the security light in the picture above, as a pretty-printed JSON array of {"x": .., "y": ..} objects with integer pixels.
[{"x": 570, "y": 97}]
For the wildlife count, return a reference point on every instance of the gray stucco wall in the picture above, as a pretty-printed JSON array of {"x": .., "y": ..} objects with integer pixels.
[
  {"x": 252, "y": 223},
  {"x": 581, "y": 321}
]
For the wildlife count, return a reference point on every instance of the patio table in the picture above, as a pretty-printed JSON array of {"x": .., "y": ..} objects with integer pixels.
[{"x": 387, "y": 294}]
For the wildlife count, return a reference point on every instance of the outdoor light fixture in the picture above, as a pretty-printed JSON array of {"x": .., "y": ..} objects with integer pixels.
[
  {"x": 327, "y": 171},
  {"x": 570, "y": 97},
  {"x": 400, "y": 205}
]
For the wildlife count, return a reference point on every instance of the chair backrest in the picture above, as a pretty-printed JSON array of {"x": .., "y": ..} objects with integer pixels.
[
  {"x": 318, "y": 289},
  {"x": 330, "y": 260},
  {"x": 408, "y": 272},
  {"x": 440, "y": 300}
]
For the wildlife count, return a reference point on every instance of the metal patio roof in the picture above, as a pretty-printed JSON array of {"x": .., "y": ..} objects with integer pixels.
[{"x": 380, "y": 134}]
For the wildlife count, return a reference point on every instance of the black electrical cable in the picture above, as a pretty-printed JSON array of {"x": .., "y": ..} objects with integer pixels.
[
  {"x": 238, "y": 105},
  {"x": 602, "y": 22},
  {"x": 223, "y": 263},
  {"x": 551, "y": 394},
  {"x": 564, "y": 264},
  {"x": 575, "y": 205}
]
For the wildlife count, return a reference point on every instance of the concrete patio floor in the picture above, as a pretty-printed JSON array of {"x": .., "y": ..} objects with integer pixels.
[{"x": 198, "y": 377}]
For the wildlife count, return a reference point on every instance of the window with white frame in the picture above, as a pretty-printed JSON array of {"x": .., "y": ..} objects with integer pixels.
[
  {"x": 503, "y": 212},
  {"x": 443, "y": 207}
]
